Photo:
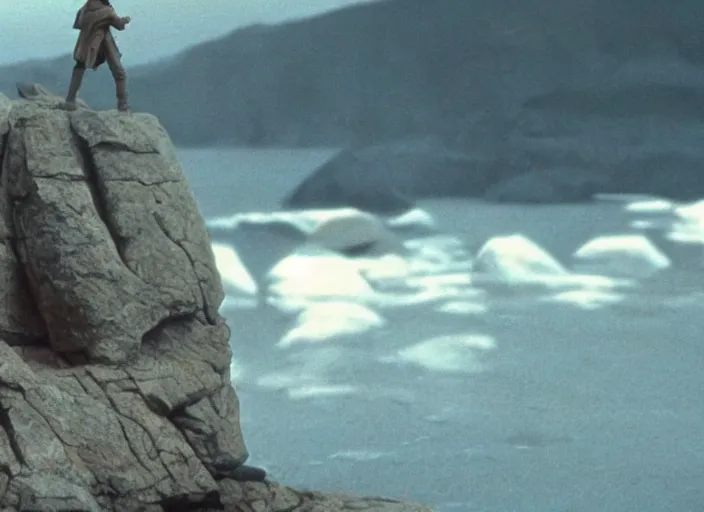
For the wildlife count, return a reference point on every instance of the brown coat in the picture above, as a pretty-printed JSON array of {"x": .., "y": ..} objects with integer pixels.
[{"x": 94, "y": 20}]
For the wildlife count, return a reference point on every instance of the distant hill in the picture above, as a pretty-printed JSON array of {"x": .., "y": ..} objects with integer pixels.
[{"x": 470, "y": 71}]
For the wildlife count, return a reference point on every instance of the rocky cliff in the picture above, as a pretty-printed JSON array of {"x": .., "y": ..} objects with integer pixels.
[{"x": 115, "y": 392}]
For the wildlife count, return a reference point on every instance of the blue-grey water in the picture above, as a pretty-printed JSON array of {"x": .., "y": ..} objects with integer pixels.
[{"x": 573, "y": 410}]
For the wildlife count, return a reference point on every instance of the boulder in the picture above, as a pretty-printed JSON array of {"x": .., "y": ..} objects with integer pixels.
[
  {"x": 545, "y": 187},
  {"x": 387, "y": 178},
  {"x": 39, "y": 94},
  {"x": 352, "y": 231},
  {"x": 115, "y": 389}
]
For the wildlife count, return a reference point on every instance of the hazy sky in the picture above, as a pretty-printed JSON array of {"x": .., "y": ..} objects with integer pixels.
[{"x": 31, "y": 29}]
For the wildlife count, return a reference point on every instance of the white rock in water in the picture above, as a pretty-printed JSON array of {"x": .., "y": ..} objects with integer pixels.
[
  {"x": 318, "y": 276},
  {"x": 515, "y": 259},
  {"x": 620, "y": 256},
  {"x": 330, "y": 320},
  {"x": 349, "y": 228}
]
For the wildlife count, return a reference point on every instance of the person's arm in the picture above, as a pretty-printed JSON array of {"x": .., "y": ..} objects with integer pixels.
[
  {"x": 119, "y": 22},
  {"x": 77, "y": 21}
]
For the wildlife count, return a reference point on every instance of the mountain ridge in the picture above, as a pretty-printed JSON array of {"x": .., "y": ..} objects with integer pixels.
[{"x": 464, "y": 71}]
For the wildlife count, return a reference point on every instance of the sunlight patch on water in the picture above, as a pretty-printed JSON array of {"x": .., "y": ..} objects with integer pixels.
[
  {"x": 692, "y": 212},
  {"x": 236, "y": 370},
  {"x": 413, "y": 218},
  {"x": 586, "y": 299},
  {"x": 235, "y": 276},
  {"x": 358, "y": 455},
  {"x": 329, "y": 321},
  {"x": 298, "y": 387},
  {"x": 307, "y": 374},
  {"x": 437, "y": 255},
  {"x": 230, "y": 304},
  {"x": 462, "y": 308},
  {"x": 388, "y": 267},
  {"x": 453, "y": 353},
  {"x": 653, "y": 206},
  {"x": 444, "y": 281},
  {"x": 322, "y": 276},
  {"x": 321, "y": 391}
]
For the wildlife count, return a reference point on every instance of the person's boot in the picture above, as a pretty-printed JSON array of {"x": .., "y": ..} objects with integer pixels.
[
  {"x": 121, "y": 90},
  {"x": 74, "y": 86}
]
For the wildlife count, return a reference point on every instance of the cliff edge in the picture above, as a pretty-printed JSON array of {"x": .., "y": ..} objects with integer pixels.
[{"x": 115, "y": 391}]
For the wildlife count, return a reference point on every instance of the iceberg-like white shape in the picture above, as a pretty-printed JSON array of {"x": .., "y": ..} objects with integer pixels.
[
  {"x": 633, "y": 256},
  {"x": 515, "y": 259}
]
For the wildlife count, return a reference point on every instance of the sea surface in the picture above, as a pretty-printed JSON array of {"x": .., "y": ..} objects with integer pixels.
[{"x": 450, "y": 377}]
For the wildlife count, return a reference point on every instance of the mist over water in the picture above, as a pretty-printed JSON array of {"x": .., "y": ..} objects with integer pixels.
[{"x": 459, "y": 374}]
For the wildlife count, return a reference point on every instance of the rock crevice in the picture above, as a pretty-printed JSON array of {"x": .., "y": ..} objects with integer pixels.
[
  {"x": 4, "y": 137},
  {"x": 92, "y": 177},
  {"x": 9, "y": 429}
]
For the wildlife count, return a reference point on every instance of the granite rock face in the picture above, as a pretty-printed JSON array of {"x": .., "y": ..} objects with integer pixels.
[{"x": 115, "y": 391}]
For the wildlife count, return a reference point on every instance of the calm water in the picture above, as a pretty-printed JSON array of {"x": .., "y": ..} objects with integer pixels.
[
  {"x": 230, "y": 180},
  {"x": 573, "y": 410}
]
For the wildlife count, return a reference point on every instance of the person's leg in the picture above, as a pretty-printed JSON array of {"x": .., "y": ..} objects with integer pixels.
[
  {"x": 76, "y": 80},
  {"x": 112, "y": 55}
]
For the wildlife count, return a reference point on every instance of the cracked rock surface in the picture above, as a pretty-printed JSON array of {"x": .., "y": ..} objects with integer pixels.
[{"x": 115, "y": 392}]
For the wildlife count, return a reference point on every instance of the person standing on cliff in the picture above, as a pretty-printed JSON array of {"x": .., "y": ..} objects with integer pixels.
[{"x": 95, "y": 46}]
